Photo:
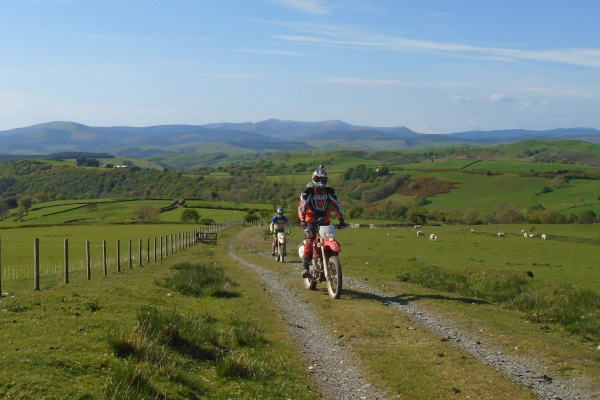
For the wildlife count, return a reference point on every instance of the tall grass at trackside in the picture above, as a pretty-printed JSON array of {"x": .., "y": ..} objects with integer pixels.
[
  {"x": 154, "y": 351},
  {"x": 201, "y": 280},
  {"x": 577, "y": 310}
]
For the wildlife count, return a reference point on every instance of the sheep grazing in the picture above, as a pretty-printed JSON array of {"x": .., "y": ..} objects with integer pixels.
[
  {"x": 522, "y": 231},
  {"x": 433, "y": 237},
  {"x": 501, "y": 234},
  {"x": 531, "y": 235},
  {"x": 544, "y": 236},
  {"x": 417, "y": 226},
  {"x": 525, "y": 235},
  {"x": 420, "y": 234}
]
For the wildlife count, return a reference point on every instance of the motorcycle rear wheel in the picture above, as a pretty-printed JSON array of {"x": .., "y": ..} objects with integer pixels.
[{"x": 334, "y": 283}]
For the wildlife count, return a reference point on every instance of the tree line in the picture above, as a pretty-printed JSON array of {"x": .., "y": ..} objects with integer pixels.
[{"x": 363, "y": 190}]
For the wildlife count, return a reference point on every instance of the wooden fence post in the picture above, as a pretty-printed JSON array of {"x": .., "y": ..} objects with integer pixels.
[
  {"x": 140, "y": 252},
  {"x": 161, "y": 247},
  {"x": 118, "y": 255},
  {"x": 129, "y": 249},
  {"x": 104, "y": 257},
  {"x": 0, "y": 266},
  {"x": 148, "y": 250},
  {"x": 167, "y": 246},
  {"x": 36, "y": 263},
  {"x": 155, "y": 249},
  {"x": 66, "y": 260},
  {"x": 88, "y": 258}
]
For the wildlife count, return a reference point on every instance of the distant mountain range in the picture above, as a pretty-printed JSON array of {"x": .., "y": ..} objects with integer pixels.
[{"x": 57, "y": 137}]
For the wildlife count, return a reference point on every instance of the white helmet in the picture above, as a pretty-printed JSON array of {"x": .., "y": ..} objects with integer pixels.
[{"x": 319, "y": 178}]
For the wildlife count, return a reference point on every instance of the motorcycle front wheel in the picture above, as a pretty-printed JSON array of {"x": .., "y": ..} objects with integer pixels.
[
  {"x": 334, "y": 284},
  {"x": 281, "y": 254}
]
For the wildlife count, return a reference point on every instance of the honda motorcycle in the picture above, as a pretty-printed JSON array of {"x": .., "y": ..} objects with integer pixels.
[{"x": 325, "y": 264}]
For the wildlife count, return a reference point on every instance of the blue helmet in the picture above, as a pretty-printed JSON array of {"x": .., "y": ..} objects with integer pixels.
[{"x": 319, "y": 178}]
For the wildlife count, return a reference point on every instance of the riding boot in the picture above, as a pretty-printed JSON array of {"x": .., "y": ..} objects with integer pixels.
[
  {"x": 273, "y": 250},
  {"x": 305, "y": 265}
]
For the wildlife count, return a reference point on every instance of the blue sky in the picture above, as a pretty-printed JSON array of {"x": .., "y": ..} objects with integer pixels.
[{"x": 433, "y": 66}]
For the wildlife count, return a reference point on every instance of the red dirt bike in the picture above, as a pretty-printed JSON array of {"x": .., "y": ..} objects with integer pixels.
[
  {"x": 280, "y": 247},
  {"x": 325, "y": 264}
]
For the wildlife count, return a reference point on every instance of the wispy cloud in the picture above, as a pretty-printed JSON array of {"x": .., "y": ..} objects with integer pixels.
[
  {"x": 336, "y": 36},
  {"x": 390, "y": 83},
  {"x": 272, "y": 52},
  {"x": 313, "y": 7},
  {"x": 232, "y": 76}
]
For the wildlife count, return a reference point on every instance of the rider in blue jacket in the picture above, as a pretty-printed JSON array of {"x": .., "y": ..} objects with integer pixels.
[{"x": 278, "y": 224}]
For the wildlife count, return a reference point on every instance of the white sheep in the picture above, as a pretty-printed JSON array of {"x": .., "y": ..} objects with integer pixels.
[
  {"x": 544, "y": 236},
  {"x": 433, "y": 237},
  {"x": 420, "y": 234},
  {"x": 501, "y": 234},
  {"x": 522, "y": 231},
  {"x": 531, "y": 235},
  {"x": 417, "y": 226},
  {"x": 525, "y": 235}
]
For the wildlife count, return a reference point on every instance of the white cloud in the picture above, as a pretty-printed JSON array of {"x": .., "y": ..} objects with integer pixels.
[
  {"x": 524, "y": 105},
  {"x": 314, "y": 7},
  {"x": 390, "y": 83},
  {"x": 232, "y": 76},
  {"x": 499, "y": 97},
  {"x": 272, "y": 52},
  {"x": 461, "y": 99},
  {"x": 336, "y": 36}
]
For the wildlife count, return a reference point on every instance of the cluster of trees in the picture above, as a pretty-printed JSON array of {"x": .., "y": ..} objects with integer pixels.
[{"x": 364, "y": 190}]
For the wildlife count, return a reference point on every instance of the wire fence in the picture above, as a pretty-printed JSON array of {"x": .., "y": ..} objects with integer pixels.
[{"x": 52, "y": 256}]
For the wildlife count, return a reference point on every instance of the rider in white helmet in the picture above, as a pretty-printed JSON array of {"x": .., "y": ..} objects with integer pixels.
[
  {"x": 278, "y": 224},
  {"x": 316, "y": 200}
]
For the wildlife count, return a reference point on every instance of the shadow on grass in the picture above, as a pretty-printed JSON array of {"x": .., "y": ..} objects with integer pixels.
[{"x": 406, "y": 298}]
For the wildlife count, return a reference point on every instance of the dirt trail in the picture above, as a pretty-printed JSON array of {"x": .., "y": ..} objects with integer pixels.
[{"x": 337, "y": 371}]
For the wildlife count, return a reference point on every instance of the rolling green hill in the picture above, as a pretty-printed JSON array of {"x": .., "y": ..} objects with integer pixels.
[{"x": 510, "y": 183}]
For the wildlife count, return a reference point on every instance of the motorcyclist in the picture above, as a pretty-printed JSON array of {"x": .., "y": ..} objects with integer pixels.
[
  {"x": 316, "y": 200},
  {"x": 278, "y": 224}
]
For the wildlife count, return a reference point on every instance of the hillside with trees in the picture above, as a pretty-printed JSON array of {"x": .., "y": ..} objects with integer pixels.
[{"x": 456, "y": 185}]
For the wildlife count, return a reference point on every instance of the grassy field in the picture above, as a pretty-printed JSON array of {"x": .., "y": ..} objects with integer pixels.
[
  {"x": 484, "y": 192},
  {"x": 97, "y": 339},
  {"x": 99, "y": 326},
  {"x": 18, "y": 248},
  {"x": 407, "y": 359}
]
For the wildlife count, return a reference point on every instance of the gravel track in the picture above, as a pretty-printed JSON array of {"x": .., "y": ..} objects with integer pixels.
[{"x": 337, "y": 372}]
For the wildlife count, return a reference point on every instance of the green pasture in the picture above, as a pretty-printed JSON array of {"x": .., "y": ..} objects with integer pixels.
[
  {"x": 333, "y": 162},
  {"x": 428, "y": 165},
  {"x": 567, "y": 256},
  {"x": 116, "y": 160},
  {"x": 577, "y": 146},
  {"x": 106, "y": 211},
  {"x": 519, "y": 166},
  {"x": 91, "y": 339},
  {"x": 217, "y": 215},
  {"x": 484, "y": 192},
  {"x": 17, "y": 245}
]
